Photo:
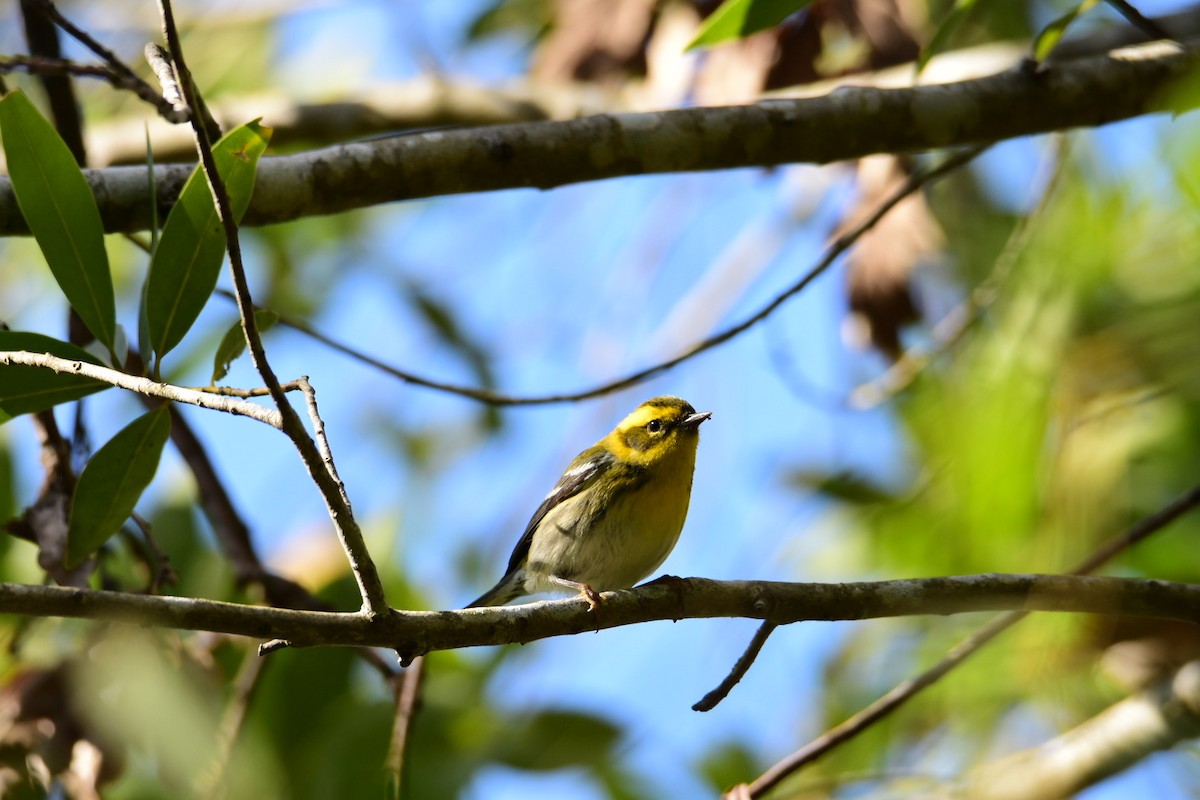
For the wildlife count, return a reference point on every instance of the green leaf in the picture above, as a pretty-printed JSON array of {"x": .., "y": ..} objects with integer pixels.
[
  {"x": 27, "y": 389},
  {"x": 941, "y": 37},
  {"x": 1049, "y": 36},
  {"x": 113, "y": 481},
  {"x": 557, "y": 739},
  {"x": 233, "y": 343},
  {"x": 736, "y": 19},
  {"x": 187, "y": 261},
  {"x": 61, "y": 211},
  {"x": 503, "y": 16}
]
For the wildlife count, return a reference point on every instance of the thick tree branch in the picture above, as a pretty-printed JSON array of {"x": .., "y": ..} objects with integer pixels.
[
  {"x": 845, "y": 124},
  {"x": 910, "y": 688},
  {"x": 431, "y": 101},
  {"x": 832, "y": 252},
  {"x": 1114, "y": 740},
  {"x": 417, "y": 632}
]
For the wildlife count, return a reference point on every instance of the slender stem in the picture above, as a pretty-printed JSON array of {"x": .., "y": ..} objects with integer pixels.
[
  {"x": 710, "y": 700},
  {"x": 374, "y": 600},
  {"x": 905, "y": 691},
  {"x": 835, "y": 249},
  {"x": 408, "y": 693},
  {"x": 145, "y": 386}
]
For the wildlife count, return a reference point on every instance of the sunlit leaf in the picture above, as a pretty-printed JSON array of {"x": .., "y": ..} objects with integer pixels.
[
  {"x": 1049, "y": 36},
  {"x": 61, "y": 211},
  {"x": 507, "y": 15},
  {"x": 945, "y": 30},
  {"x": 28, "y": 389},
  {"x": 233, "y": 343},
  {"x": 113, "y": 481},
  {"x": 187, "y": 261},
  {"x": 556, "y": 739},
  {"x": 736, "y": 19}
]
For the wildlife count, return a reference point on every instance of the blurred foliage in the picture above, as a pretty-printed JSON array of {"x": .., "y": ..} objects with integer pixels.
[{"x": 1069, "y": 410}]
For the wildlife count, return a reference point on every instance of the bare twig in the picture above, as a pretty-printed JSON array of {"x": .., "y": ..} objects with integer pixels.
[
  {"x": 374, "y": 600},
  {"x": 82, "y": 36},
  {"x": 1138, "y": 20},
  {"x": 42, "y": 37},
  {"x": 115, "y": 71},
  {"x": 211, "y": 781},
  {"x": 835, "y": 249},
  {"x": 407, "y": 696},
  {"x": 314, "y": 416},
  {"x": 1114, "y": 740},
  {"x": 905, "y": 691},
  {"x": 160, "y": 65},
  {"x": 135, "y": 383},
  {"x": 233, "y": 391},
  {"x": 846, "y": 124},
  {"x": 710, "y": 700},
  {"x": 36, "y": 65},
  {"x": 950, "y": 329},
  {"x": 161, "y": 571}
]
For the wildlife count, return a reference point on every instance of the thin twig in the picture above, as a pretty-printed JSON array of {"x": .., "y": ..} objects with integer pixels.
[
  {"x": 374, "y": 599},
  {"x": 1139, "y": 20},
  {"x": 160, "y": 65},
  {"x": 161, "y": 571},
  {"x": 408, "y": 693},
  {"x": 314, "y": 416},
  {"x": 710, "y": 700},
  {"x": 135, "y": 383},
  {"x": 835, "y": 249},
  {"x": 950, "y": 329},
  {"x": 212, "y": 781},
  {"x": 233, "y": 391},
  {"x": 905, "y": 691},
  {"x": 83, "y": 37},
  {"x": 119, "y": 74},
  {"x": 35, "y": 65}
]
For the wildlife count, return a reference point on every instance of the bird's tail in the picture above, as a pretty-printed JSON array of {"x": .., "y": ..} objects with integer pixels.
[{"x": 510, "y": 587}]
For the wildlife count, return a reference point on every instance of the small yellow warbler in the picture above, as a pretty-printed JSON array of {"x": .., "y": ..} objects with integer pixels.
[{"x": 615, "y": 514}]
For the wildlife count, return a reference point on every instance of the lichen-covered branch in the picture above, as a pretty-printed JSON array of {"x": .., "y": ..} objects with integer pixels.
[
  {"x": 416, "y": 632},
  {"x": 1114, "y": 740},
  {"x": 145, "y": 386},
  {"x": 845, "y": 124}
]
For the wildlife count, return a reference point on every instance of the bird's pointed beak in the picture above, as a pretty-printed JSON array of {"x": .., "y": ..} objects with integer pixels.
[{"x": 694, "y": 420}]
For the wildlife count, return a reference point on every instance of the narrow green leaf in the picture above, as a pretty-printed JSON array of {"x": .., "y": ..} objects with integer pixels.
[
  {"x": 736, "y": 19},
  {"x": 144, "y": 350},
  {"x": 187, "y": 261},
  {"x": 113, "y": 481},
  {"x": 233, "y": 343},
  {"x": 28, "y": 389},
  {"x": 941, "y": 37},
  {"x": 1049, "y": 36},
  {"x": 61, "y": 211}
]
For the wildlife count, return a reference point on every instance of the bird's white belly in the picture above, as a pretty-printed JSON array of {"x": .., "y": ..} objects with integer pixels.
[{"x": 616, "y": 551}]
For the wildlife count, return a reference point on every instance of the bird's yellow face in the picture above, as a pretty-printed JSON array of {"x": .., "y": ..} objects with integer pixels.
[{"x": 656, "y": 430}]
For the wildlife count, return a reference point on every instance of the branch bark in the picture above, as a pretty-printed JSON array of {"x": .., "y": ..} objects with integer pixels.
[
  {"x": 1112, "y": 741},
  {"x": 145, "y": 386},
  {"x": 845, "y": 124},
  {"x": 414, "y": 633}
]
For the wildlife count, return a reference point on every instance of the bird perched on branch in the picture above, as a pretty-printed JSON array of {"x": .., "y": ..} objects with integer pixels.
[{"x": 615, "y": 514}]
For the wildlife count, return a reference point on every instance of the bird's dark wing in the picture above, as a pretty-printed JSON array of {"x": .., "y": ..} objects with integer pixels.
[{"x": 586, "y": 468}]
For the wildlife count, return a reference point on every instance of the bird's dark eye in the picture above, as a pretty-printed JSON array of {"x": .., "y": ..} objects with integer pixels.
[{"x": 654, "y": 425}]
